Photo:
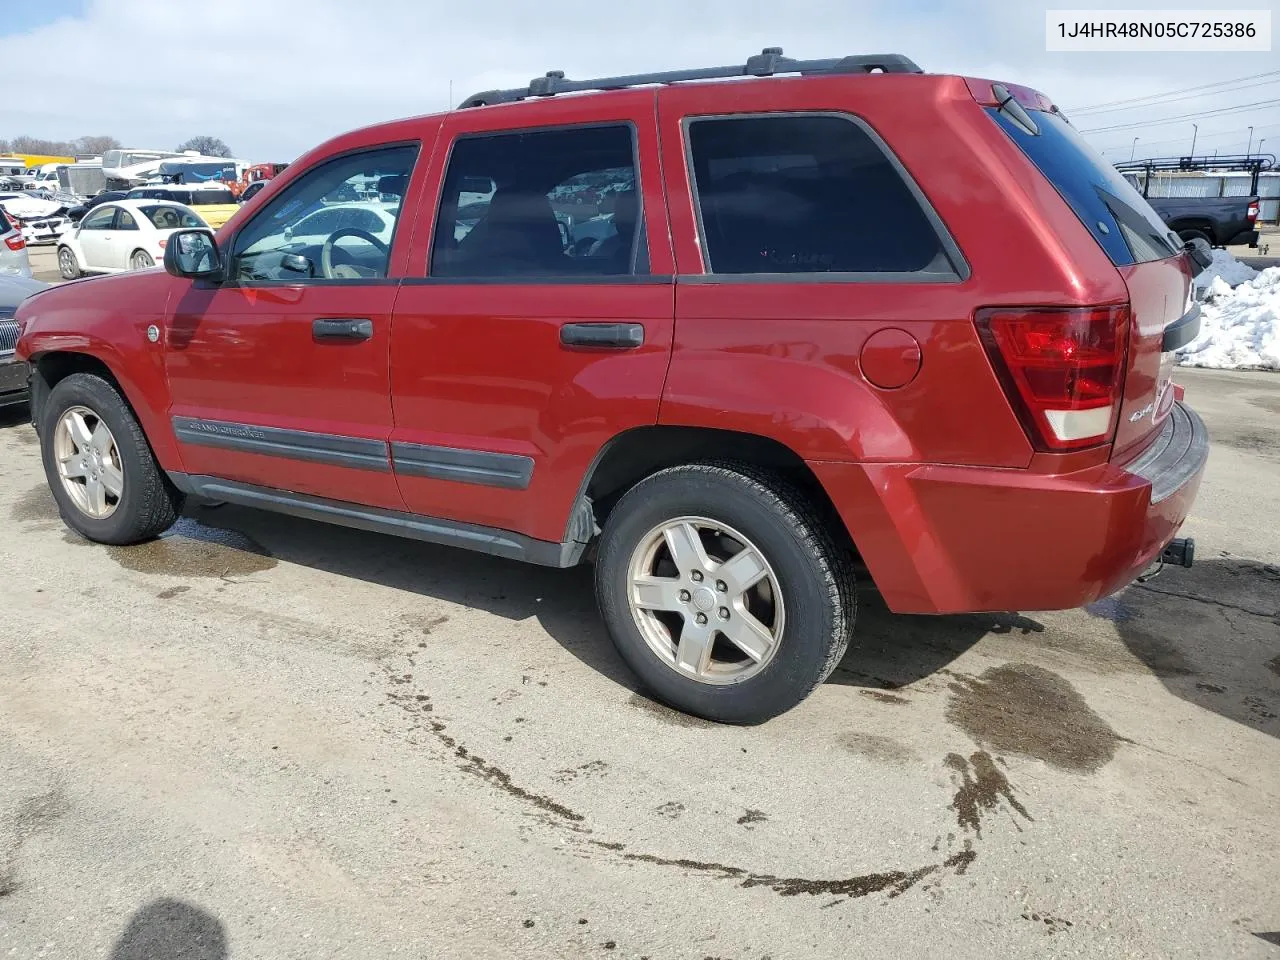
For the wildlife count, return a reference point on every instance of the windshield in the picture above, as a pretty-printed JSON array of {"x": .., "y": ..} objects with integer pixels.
[{"x": 1114, "y": 212}]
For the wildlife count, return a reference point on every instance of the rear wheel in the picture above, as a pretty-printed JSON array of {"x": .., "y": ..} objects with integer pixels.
[
  {"x": 724, "y": 591},
  {"x": 141, "y": 260},
  {"x": 1186, "y": 235},
  {"x": 99, "y": 465},
  {"x": 68, "y": 265}
]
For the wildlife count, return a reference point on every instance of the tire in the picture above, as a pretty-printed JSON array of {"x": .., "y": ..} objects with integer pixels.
[
  {"x": 68, "y": 265},
  {"x": 147, "y": 503},
  {"x": 808, "y": 570},
  {"x": 141, "y": 260},
  {"x": 1186, "y": 235}
]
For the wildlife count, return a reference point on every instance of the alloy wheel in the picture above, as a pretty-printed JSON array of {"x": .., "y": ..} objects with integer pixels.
[
  {"x": 88, "y": 462},
  {"x": 706, "y": 600}
]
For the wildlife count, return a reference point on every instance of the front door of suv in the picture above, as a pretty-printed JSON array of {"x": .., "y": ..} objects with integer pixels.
[
  {"x": 278, "y": 374},
  {"x": 543, "y": 324}
]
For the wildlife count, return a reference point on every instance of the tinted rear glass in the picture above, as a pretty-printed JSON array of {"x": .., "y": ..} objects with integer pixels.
[{"x": 1114, "y": 212}]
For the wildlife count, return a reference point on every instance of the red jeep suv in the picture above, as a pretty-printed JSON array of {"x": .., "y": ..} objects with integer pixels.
[{"x": 730, "y": 341}]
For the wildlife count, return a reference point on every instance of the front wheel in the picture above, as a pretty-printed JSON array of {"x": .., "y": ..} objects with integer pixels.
[
  {"x": 724, "y": 591},
  {"x": 141, "y": 260},
  {"x": 99, "y": 465},
  {"x": 68, "y": 265}
]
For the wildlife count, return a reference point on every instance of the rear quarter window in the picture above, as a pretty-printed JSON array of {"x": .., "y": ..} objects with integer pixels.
[{"x": 1115, "y": 214}]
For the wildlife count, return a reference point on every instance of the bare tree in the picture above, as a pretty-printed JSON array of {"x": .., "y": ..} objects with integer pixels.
[
  {"x": 206, "y": 146},
  {"x": 96, "y": 145}
]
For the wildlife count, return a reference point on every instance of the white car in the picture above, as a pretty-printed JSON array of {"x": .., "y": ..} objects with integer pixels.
[
  {"x": 41, "y": 218},
  {"x": 120, "y": 236}
]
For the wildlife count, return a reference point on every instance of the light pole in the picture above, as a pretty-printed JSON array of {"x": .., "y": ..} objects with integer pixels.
[
  {"x": 1195, "y": 131},
  {"x": 1260, "y": 143},
  {"x": 1248, "y": 151},
  {"x": 1133, "y": 146}
]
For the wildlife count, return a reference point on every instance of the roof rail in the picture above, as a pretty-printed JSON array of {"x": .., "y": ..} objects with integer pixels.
[{"x": 769, "y": 62}]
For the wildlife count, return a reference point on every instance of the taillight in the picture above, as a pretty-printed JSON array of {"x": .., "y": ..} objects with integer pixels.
[
  {"x": 15, "y": 242},
  {"x": 1253, "y": 211},
  {"x": 1063, "y": 369}
]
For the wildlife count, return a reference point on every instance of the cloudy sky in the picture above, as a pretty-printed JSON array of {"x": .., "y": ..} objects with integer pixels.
[{"x": 274, "y": 77}]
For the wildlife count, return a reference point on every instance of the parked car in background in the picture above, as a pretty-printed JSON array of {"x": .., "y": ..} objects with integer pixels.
[
  {"x": 215, "y": 202},
  {"x": 1221, "y": 221},
  {"x": 13, "y": 372},
  {"x": 786, "y": 351},
  {"x": 13, "y": 249},
  {"x": 252, "y": 190},
  {"x": 41, "y": 217},
  {"x": 123, "y": 235},
  {"x": 76, "y": 214}
]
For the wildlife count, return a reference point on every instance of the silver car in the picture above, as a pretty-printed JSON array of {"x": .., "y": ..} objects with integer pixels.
[
  {"x": 13, "y": 249},
  {"x": 13, "y": 372}
]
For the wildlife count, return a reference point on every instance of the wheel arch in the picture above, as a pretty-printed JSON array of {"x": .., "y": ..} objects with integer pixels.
[
  {"x": 50, "y": 367},
  {"x": 634, "y": 454}
]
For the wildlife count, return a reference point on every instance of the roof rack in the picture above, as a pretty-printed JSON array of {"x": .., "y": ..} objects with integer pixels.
[{"x": 769, "y": 62}]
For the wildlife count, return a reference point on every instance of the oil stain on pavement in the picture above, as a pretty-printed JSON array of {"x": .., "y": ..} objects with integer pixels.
[
  {"x": 1023, "y": 709},
  {"x": 982, "y": 788},
  {"x": 419, "y": 708}
]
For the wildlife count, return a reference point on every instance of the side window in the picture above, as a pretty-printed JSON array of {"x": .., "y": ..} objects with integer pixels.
[
  {"x": 336, "y": 221},
  {"x": 806, "y": 194},
  {"x": 553, "y": 203},
  {"x": 125, "y": 221},
  {"x": 99, "y": 219}
]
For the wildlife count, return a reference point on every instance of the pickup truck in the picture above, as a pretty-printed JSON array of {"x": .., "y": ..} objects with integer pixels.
[{"x": 1222, "y": 221}]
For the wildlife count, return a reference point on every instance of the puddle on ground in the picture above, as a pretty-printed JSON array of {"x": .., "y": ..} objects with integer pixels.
[
  {"x": 982, "y": 788},
  {"x": 884, "y": 749},
  {"x": 36, "y": 504},
  {"x": 192, "y": 549},
  {"x": 1024, "y": 709},
  {"x": 1113, "y": 609}
]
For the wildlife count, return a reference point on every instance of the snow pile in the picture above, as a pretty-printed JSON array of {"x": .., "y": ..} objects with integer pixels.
[
  {"x": 1225, "y": 266},
  {"x": 1240, "y": 327}
]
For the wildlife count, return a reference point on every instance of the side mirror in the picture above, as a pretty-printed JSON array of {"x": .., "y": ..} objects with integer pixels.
[
  {"x": 192, "y": 254},
  {"x": 1200, "y": 253}
]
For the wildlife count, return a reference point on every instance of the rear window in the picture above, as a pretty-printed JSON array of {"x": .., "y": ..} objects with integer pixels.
[{"x": 1117, "y": 216}]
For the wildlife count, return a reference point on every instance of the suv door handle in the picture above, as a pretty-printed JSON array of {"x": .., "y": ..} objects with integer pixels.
[
  {"x": 609, "y": 336},
  {"x": 346, "y": 330}
]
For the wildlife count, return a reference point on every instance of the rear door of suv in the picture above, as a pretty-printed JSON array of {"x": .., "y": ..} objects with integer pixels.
[{"x": 538, "y": 324}]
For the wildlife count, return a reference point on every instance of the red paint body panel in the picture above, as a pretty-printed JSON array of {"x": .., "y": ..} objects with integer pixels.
[
  {"x": 1159, "y": 293},
  {"x": 246, "y": 355},
  {"x": 482, "y": 368},
  {"x": 107, "y": 318},
  {"x": 942, "y": 539}
]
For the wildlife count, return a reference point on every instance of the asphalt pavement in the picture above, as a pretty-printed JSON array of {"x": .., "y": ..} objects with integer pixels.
[{"x": 259, "y": 737}]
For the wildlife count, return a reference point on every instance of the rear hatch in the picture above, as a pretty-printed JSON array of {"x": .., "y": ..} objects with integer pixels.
[{"x": 1146, "y": 253}]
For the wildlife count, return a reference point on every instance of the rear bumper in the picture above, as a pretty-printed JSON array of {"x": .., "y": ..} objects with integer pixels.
[
  {"x": 1248, "y": 238},
  {"x": 945, "y": 539}
]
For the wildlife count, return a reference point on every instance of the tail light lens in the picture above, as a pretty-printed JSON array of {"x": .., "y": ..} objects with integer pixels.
[
  {"x": 1253, "y": 211},
  {"x": 1063, "y": 369},
  {"x": 15, "y": 241}
]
